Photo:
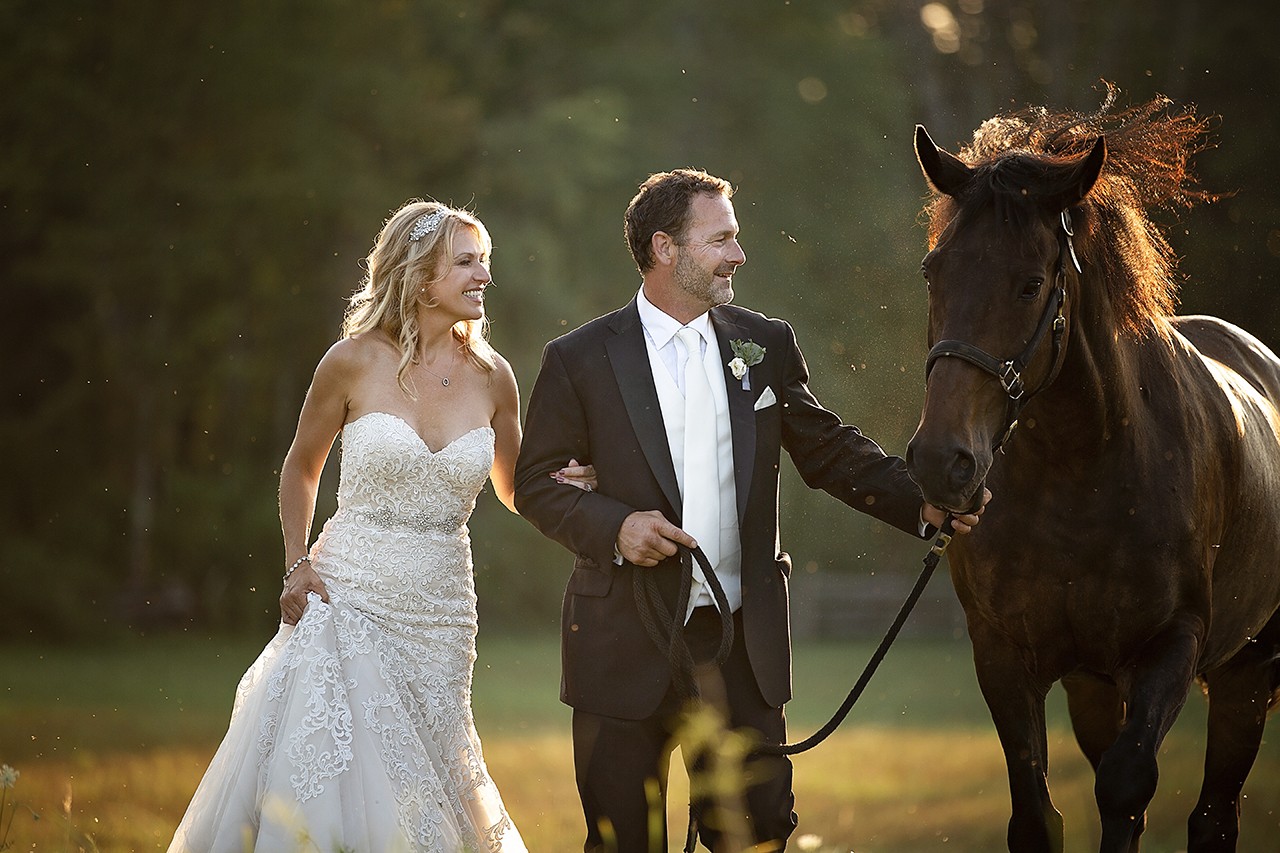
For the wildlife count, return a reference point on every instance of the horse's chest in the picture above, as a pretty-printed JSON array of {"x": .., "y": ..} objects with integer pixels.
[{"x": 1076, "y": 600}]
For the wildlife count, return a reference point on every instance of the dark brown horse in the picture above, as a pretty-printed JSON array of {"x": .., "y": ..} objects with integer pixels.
[{"x": 1133, "y": 543}]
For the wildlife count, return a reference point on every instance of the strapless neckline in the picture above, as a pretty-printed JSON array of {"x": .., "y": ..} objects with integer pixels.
[{"x": 409, "y": 427}]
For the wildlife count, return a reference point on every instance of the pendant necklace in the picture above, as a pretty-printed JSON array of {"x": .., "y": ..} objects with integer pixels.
[{"x": 444, "y": 380}]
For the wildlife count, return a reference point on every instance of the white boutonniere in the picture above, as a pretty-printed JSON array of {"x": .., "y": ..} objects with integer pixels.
[{"x": 746, "y": 355}]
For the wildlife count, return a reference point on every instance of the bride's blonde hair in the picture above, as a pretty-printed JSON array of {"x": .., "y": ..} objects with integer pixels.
[{"x": 412, "y": 253}]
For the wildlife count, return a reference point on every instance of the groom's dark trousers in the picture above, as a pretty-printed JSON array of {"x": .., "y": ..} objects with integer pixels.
[{"x": 595, "y": 401}]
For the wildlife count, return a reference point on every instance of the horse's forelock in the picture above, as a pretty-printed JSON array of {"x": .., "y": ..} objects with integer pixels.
[{"x": 1011, "y": 187}]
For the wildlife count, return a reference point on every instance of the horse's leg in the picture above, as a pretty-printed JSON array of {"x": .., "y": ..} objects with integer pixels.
[
  {"x": 1097, "y": 712},
  {"x": 1016, "y": 702},
  {"x": 1126, "y": 776},
  {"x": 1239, "y": 692}
]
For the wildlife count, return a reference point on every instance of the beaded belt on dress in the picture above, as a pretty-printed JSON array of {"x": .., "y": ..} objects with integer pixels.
[{"x": 419, "y": 522}]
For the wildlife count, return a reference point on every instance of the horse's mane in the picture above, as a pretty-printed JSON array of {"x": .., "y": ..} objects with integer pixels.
[{"x": 1019, "y": 157}]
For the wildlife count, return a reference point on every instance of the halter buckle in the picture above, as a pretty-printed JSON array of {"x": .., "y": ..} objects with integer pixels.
[
  {"x": 940, "y": 544},
  {"x": 1011, "y": 380}
]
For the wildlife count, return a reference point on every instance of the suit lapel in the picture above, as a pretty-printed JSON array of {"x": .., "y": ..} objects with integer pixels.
[
  {"x": 742, "y": 416},
  {"x": 629, "y": 357}
]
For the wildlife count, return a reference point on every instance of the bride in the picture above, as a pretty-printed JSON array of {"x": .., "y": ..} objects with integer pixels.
[{"x": 353, "y": 729}]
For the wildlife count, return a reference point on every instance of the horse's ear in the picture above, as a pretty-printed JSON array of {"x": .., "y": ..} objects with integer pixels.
[
  {"x": 1084, "y": 174},
  {"x": 947, "y": 173}
]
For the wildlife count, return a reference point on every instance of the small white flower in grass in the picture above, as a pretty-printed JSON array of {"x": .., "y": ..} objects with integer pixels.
[{"x": 8, "y": 776}]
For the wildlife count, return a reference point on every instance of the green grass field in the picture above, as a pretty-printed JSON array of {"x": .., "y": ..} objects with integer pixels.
[{"x": 110, "y": 742}]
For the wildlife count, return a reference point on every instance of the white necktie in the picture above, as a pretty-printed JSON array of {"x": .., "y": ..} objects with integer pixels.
[{"x": 701, "y": 459}]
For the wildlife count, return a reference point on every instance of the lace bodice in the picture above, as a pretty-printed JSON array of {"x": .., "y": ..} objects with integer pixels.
[
  {"x": 391, "y": 479},
  {"x": 398, "y": 545}
]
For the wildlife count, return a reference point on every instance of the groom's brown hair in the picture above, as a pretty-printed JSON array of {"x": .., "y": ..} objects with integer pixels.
[{"x": 663, "y": 204}]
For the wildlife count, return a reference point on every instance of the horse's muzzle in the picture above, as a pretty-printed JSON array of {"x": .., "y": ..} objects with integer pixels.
[{"x": 949, "y": 477}]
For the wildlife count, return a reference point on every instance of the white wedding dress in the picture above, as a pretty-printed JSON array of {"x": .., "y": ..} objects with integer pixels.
[{"x": 353, "y": 730}]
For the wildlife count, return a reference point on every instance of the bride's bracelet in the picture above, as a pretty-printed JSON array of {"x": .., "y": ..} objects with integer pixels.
[{"x": 298, "y": 562}]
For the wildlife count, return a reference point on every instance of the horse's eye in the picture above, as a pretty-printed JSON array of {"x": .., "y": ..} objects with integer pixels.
[{"x": 1031, "y": 289}]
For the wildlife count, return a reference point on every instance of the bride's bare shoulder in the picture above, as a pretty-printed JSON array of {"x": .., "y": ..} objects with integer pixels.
[
  {"x": 361, "y": 352},
  {"x": 502, "y": 368}
]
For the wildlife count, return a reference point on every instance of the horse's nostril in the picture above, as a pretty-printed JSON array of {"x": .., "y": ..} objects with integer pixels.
[{"x": 962, "y": 468}]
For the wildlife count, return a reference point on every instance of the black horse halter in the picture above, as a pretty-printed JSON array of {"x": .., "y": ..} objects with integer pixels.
[{"x": 1009, "y": 372}]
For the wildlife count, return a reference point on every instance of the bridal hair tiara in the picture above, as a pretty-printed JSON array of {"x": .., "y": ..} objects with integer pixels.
[{"x": 426, "y": 224}]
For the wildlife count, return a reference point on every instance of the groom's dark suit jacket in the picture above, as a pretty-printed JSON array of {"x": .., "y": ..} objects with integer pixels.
[{"x": 595, "y": 401}]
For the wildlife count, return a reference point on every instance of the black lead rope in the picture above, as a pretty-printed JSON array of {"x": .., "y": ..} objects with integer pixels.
[
  {"x": 930, "y": 563},
  {"x": 666, "y": 629}
]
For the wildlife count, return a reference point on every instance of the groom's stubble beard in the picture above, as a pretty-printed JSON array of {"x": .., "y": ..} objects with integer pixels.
[{"x": 701, "y": 284}]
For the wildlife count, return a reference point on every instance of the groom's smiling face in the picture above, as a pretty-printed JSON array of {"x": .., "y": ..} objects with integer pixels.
[{"x": 708, "y": 252}]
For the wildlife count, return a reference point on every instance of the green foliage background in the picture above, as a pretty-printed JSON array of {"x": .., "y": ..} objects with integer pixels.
[{"x": 187, "y": 190}]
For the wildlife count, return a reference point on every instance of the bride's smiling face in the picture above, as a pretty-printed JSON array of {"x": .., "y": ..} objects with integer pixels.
[{"x": 460, "y": 292}]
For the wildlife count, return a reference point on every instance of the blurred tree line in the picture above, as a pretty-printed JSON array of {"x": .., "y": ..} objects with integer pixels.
[{"x": 188, "y": 190}]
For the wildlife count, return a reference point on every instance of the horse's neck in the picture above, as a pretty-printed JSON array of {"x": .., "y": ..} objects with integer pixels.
[{"x": 1094, "y": 397}]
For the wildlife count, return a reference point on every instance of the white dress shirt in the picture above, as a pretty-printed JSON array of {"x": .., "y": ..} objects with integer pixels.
[{"x": 660, "y": 337}]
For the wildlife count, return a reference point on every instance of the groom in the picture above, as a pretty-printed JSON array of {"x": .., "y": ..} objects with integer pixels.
[{"x": 683, "y": 403}]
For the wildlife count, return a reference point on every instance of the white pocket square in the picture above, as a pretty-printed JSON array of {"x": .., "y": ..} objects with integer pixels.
[{"x": 766, "y": 399}]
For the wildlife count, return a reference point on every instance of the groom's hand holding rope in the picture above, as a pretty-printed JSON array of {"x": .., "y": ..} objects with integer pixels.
[{"x": 647, "y": 538}]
